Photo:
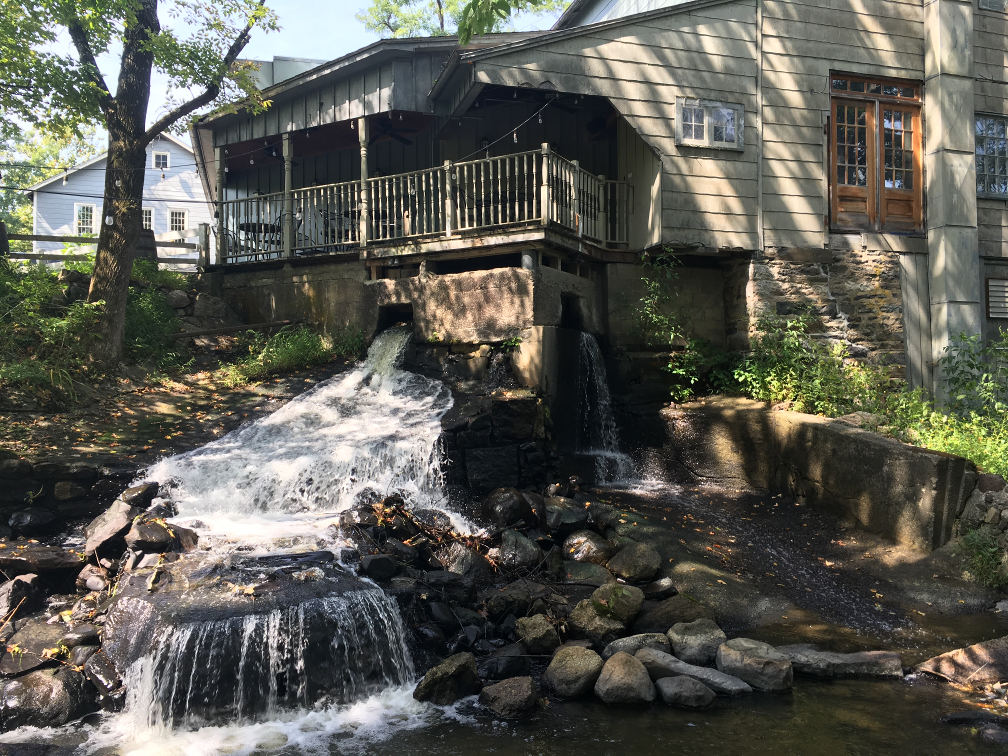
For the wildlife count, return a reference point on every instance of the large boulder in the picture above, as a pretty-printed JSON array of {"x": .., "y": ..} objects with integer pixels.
[
  {"x": 141, "y": 495},
  {"x": 660, "y": 617},
  {"x": 684, "y": 692},
  {"x": 22, "y": 593},
  {"x": 624, "y": 680},
  {"x": 662, "y": 588},
  {"x": 512, "y": 599},
  {"x": 538, "y": 634},
  {"x": 451, "y": 585},
  {"x": 510, "y": 698},
  {"x": 154, "y": 535},
  {"x": 454, "y": 678},
  {"x": 659, "y": 665},
  {"x": 461, "y": 560},
  {"x": 34, "y": 522},
  {"x": 619, "y": 602},
  {"x": 809, "y": 661},
  {"x": 518, "y": 552},
  {"x": 563, "y": 516},
  {"x": 635, "y": 562},
  {"x": 758, "y": 663},
  {"x": 587, "y": 546},
  {"x": 106, "y": 533},
  {"x": 586, "y": 573},
  {"x": 506, "y": 507},
  {"x": 696, "y": 642},
  {"x": 492, "y": 467},
  {"x": 634, "y": 643},
  {"x": 26, "y": 649},
  {"x": 379, "y": 566},
  {"x": 573, "y": 671},
  {"x": 51, "y": 561},
  {"x": 585, "y": 622},
  {"x": 507, "y": 661},
  {"x": 177, "y": 299},
  {"x": 46, "y": 698}
]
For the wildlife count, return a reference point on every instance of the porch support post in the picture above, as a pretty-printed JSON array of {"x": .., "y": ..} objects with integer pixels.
[
  {"x": 365, "y": 188},
  {"x": 288, "y": 198},
  {"x": 544, "y": 197},
  {"x": 449, "y": 201},
  {"x": 221, "y": 242},
  {"x": 577, "y": 198}
]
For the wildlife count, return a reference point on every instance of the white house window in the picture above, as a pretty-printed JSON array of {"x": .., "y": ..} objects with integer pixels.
[
  {"x": 161, "y": 161},
  {"x": 178, "y": 220},
  {"x": 148, "y": 219},
  {"x": 84, "y": 219},
  {"x": 706, "y": 123},
  {"x": 992, "y": 156}
]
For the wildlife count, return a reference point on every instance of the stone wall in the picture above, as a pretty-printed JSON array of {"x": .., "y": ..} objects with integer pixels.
[
  {"x": 908, "y": 494},
  {"x": 71, "y": 488}
]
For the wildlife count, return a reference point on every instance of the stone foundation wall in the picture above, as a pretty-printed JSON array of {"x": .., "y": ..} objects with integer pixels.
[{"x": 69, "y": 487}]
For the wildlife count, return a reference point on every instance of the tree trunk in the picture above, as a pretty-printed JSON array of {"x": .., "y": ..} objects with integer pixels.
[{"x": 126, "y": 119}]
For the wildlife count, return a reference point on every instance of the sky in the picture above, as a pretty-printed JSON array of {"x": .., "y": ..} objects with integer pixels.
[{"x": 320, "y": 29}]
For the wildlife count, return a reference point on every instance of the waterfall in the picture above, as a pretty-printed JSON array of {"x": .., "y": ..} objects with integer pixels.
[
  {"x": 366, "y": 433},
  {"x": 599, "y": 436},
  {"x": 332, "y": 650}
]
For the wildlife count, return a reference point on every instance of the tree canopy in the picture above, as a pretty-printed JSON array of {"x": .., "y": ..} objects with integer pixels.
[{"x": 435, "y": 18}]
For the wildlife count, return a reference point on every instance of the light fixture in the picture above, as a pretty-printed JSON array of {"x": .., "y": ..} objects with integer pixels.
[
  {"x": 540, "y": 118},
  {"x": 352, "y": 126},
  {"x": 64, "y": 178},
  {"x": 119, "y": 182},
  {"x": 225, "y": 169},
  {"x": 108, "y": 220},
  {"x": 251, "y": 161},
  {"x": 162, "y": 175},
  {"x": 514, "y": 96},
  {"x": 400, "y": 116},
  {"x": 515, "y": 135}
]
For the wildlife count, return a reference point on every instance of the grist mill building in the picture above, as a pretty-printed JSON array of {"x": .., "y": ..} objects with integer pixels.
[{"x": 844, "y": 158}]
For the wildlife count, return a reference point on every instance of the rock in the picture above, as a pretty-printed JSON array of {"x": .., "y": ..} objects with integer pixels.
[
  {"x": 68, "y": 490},
  {"x": 207, "y": 306},
  {"x": 587, "y": 573},
  {"x": 80, "y": 635},
  {"x": 506, "y": 507},
  {"x": 573, "y": 671},
  {"x": 585, "y": 622},
  {"x": 379, "y": 566},
  {"x": 696, "y": 642},
  {"x": 177, "y": 299},
  {"x": 21, "y": 594},
  {"x": 80, "y": 654},
  {"x": 538, "y": 634},
  {"x": 587, "y": 546},
  {"x": 491, "y": 468},
  {"x": 757, "y": 663},
  {"x": 512, "y": 599},
  {"x": 662, "y": 616},
  {"x": 507, "y": 661},
  {"x": 659, "y": 665},
  {"x": 442, "y": 616},
  {"x": 634, "y": 643},
  {"x": 454, "y": 678},
  {"x": 35, "y": 521},
  {"x": 807, "y": 660},
  {"x": 624, "y": 680},
  {"x": 990, "y": 483},
  {"x": 149, "y": 536},
  {"x": 28, "y": 645},
  {"x": 517, "y": 552},
  {"x": 619, "y": 602},
  {"x": 15, "y": 469},
  {"x": 140, "y": 496},
  {"x": 21, "y": 559},
  {"x": 685, "y": 692},
  {"x": 513, "y": 417},
  {"x": 976, "y": 665},
  {"x": 453, "y": 586},
  {"x": 101, "y": 672},
  {"x": 92, "y": 575},
  {"x": 635, "y": 563},
  {"x": 401, "y": 552},
  {"x": 45, "y": 698},
  {"x": 107, "y": 532},
  {"x": 510, "y": 698},
  {"x": 562, "y": 516},
  {"x": 432, "y": 637},
  {"x": 662, "y": 588}
]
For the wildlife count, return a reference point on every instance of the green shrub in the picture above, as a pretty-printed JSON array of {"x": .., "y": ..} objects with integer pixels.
[
  {"x": 148, "y": 272},
  {"x": 986, "y": 558},
  {"x": 287, "y": 350},
  {"x": 150, "y": 322}
]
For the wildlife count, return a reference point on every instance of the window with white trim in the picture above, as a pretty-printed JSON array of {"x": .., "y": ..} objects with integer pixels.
[
  {"x": 178, "y": 220},
  {"x": 161, "y": 161},
  {"x": 992, "y": 156},
  {"x": 84, "y": 219},
  {"x": 148, "y": 219},
  {"x": 706, "y": 123}
]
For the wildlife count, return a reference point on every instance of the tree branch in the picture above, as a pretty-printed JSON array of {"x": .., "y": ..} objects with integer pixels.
[
  {"x": 209, "y": 94},
  {"x": 80, "y": 40}
]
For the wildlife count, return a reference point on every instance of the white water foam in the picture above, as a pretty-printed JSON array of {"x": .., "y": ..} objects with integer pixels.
[
  {"x": 598, "y": 423},
  {"x": 363, "y": 434}
]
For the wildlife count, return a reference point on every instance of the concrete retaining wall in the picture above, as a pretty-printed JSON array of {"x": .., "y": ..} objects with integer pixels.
[{"x": 903, "y": 492}]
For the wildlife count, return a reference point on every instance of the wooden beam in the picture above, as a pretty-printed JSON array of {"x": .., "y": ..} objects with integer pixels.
[{"x": 86, "y": 241}]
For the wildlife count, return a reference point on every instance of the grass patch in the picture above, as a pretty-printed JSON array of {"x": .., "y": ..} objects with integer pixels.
[
  {"x": 288, "y": 350},
  {"x": 987, "y": 560},
  {"x": 149, "y": 325}
]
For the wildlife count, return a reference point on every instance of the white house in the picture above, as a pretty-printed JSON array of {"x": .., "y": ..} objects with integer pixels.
[{"x": 70, "y": 204}]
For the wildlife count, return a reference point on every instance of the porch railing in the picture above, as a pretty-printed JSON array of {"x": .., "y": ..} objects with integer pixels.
[{"x": 537, "y": 187}]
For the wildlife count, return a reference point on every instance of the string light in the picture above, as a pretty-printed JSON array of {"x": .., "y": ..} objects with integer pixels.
[
  {"x": 108, "y": 220},
  {"x": 64, "y": 178}
]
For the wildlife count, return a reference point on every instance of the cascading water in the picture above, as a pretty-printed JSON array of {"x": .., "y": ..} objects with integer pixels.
[{"x": 599, "y": 436}]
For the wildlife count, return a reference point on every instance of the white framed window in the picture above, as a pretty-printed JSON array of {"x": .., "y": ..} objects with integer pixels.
[
  {"x": 148, "y": 219},
  {"x": 178, "y": 220},
  {"x": 84, "y": 219},
  {"x": 992, "y": 156},
  {"x": 162, "y": 161},
  {"x": 706, "y": 123}
]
